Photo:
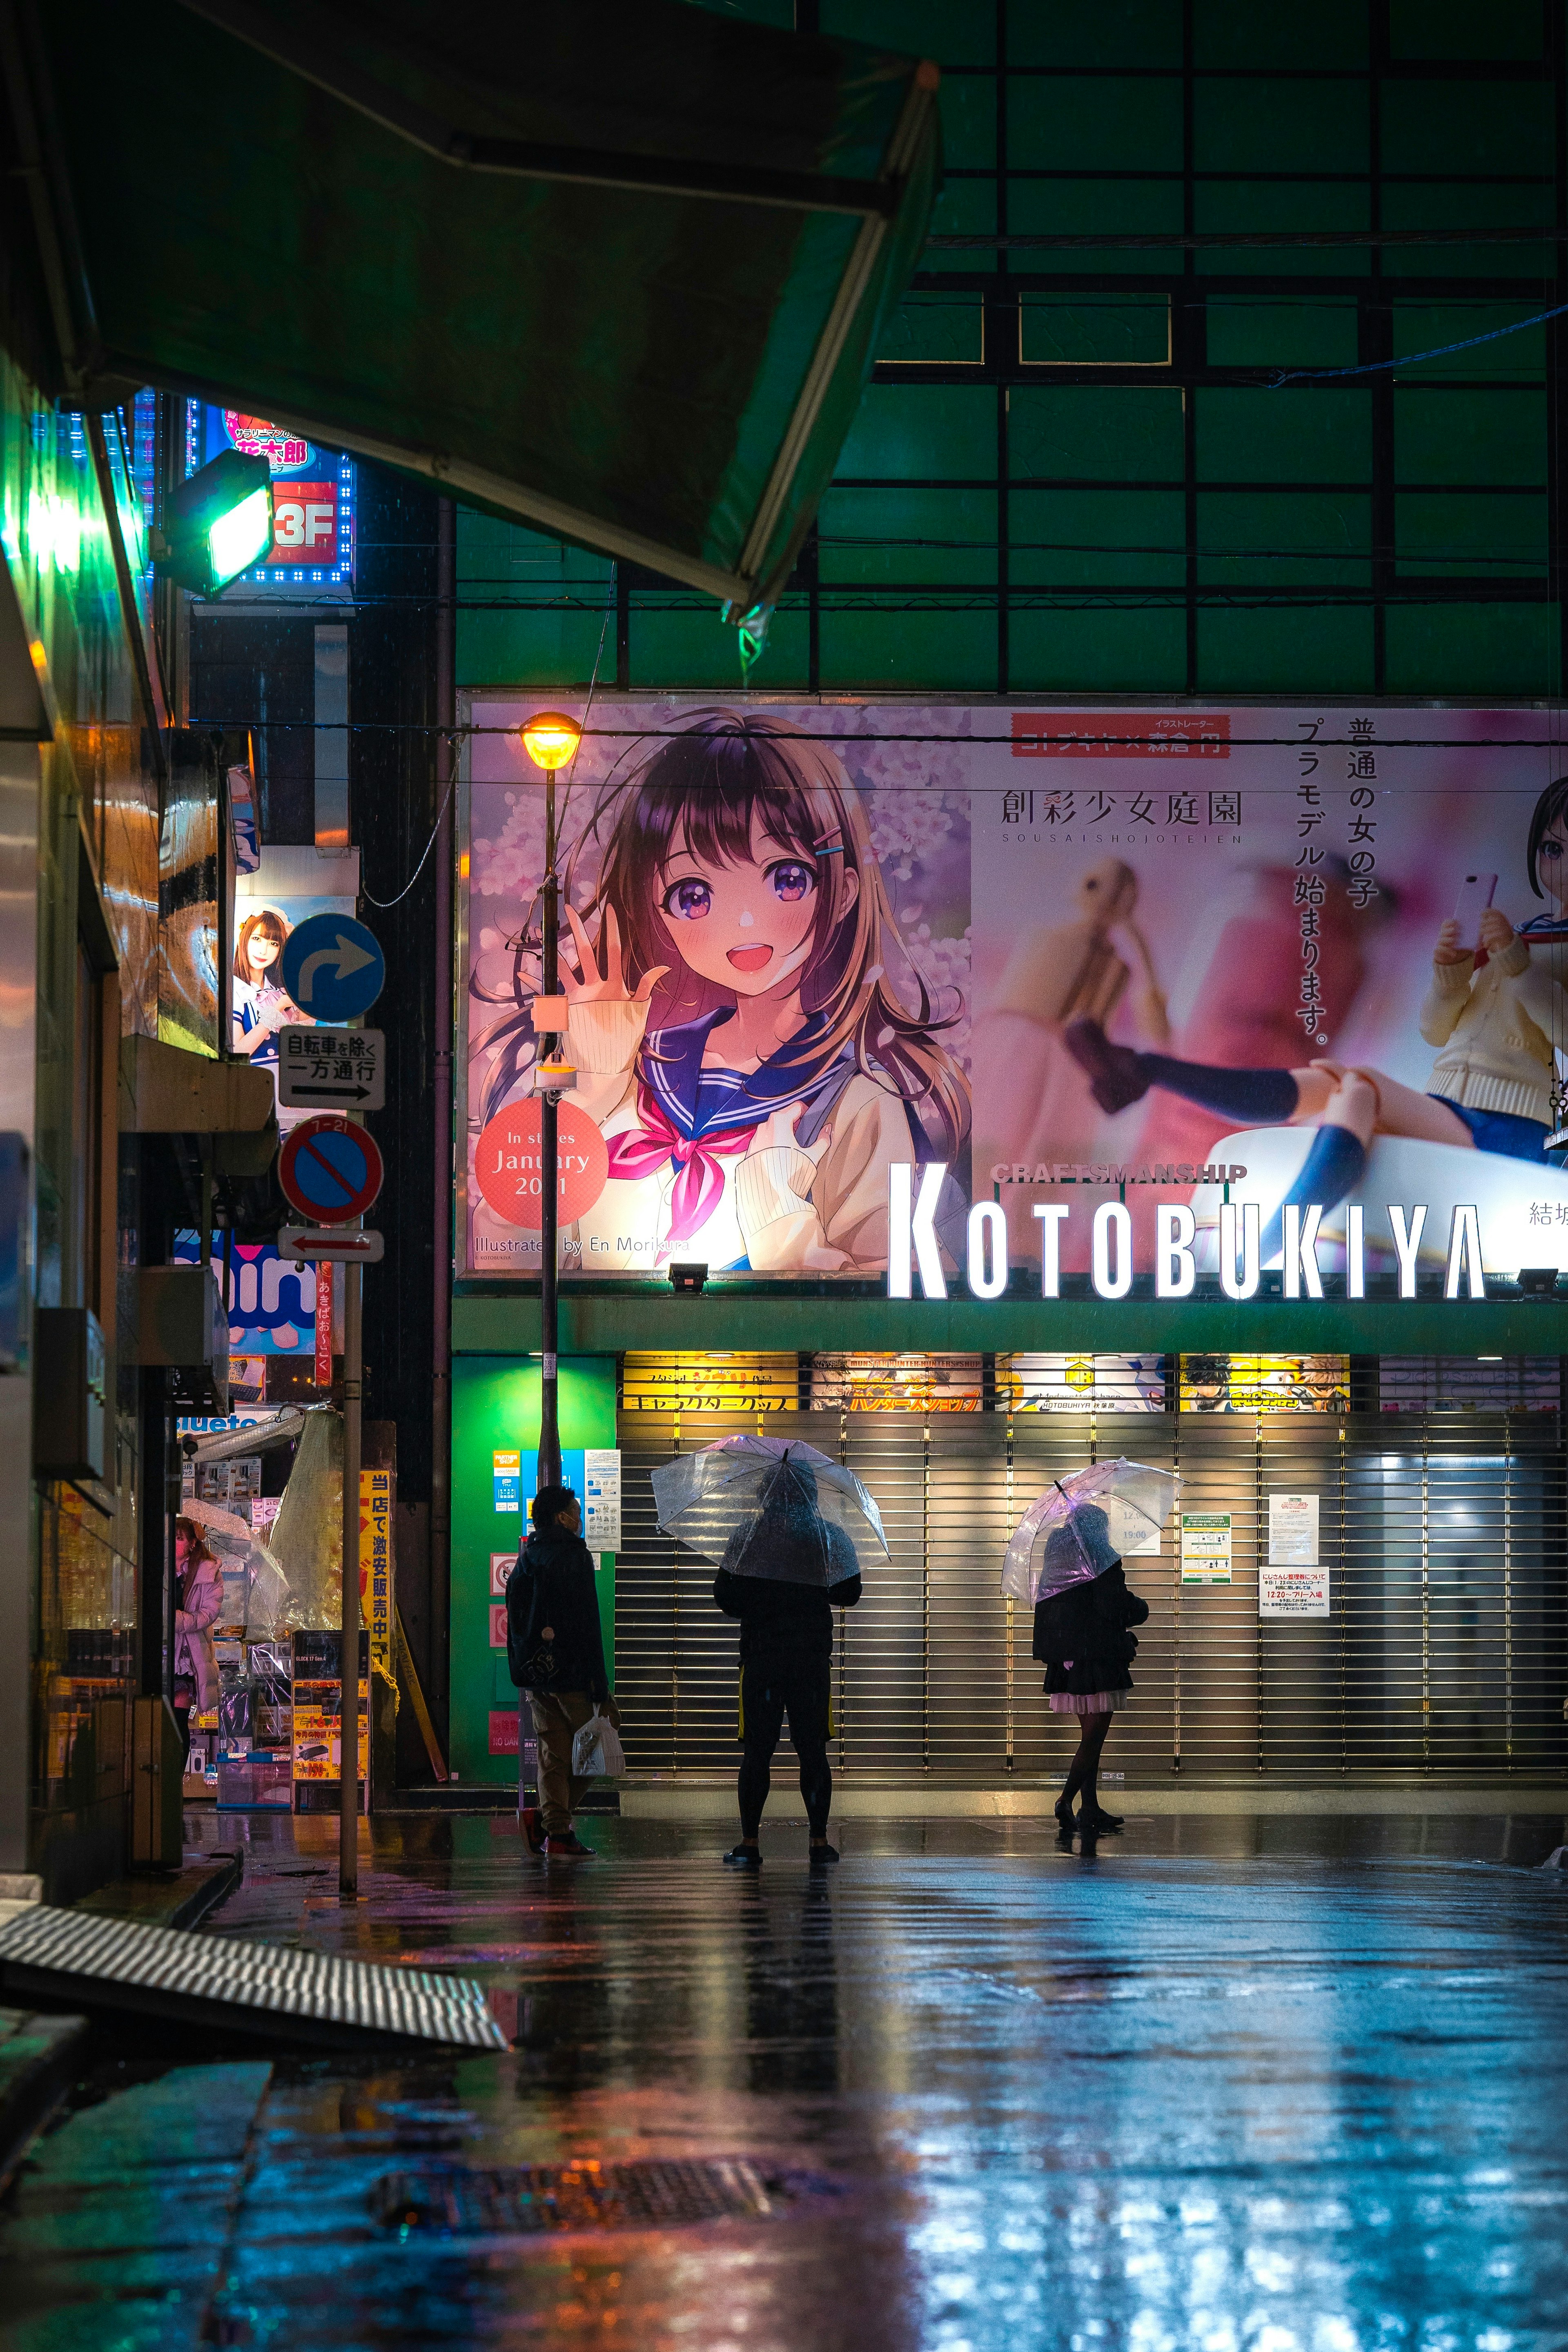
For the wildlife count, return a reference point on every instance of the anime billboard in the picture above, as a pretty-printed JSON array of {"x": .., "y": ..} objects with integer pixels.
[{"x": 1266, "y": 962}]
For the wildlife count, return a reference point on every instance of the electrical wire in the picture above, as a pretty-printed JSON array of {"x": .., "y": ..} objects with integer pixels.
[
  {"x": 1414, "y": 359},
  {"x": 435, "y": 830}
]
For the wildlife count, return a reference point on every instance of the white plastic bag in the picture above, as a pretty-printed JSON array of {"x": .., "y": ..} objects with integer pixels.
[{"x": 596, "y": 1751}]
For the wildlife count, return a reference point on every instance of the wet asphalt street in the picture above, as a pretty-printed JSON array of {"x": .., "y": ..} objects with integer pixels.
[{"x": 1239, "y": 2085}]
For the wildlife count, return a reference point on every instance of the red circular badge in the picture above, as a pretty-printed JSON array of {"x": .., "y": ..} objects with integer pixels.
[{"x": 506, "y": 1163}]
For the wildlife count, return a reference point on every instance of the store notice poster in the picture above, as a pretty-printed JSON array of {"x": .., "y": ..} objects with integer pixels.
[
  {"x": 1288, "y": 1592},
  {"x": 804, "y": 942},
  {"x": 1292, "y": 1530},
  {"x": 1205, "y": 1546}
]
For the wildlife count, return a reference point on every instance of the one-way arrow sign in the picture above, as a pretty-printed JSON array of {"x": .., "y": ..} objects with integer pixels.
[{"x": 331, "y": 1069}]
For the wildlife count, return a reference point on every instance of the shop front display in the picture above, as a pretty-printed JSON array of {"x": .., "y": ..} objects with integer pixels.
[{"x": 1337, "y": 1592}]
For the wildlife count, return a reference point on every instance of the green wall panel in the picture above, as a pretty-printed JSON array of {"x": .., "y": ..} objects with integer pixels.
[
  {"x": 1472, "y": 205},
  {"x": 1294, "y": 650},
  {"x": 1301, "y": 434},
  {"x": 1094, "y": 330},
  {"x": 1252, "y": 330},
  {"x": 1466, "y": 125},
  {"x": 1099, "y": 207},
  {"x": 1474, "y": 649},
  {"x": 1239, "y": 125},
  {"x": 1278, "y": 539},
  {"x": 1238, "y": 34},
  {"x": 495, "y": 1403},
  {"x": 948, "y": 327},
  {"x": 1088, "y": 530},
  {"x": 1470, "y": 533},
  {"x": 1062, "y": 124},
  {"x": 1232, "y": 205},
  {"x": 1490, "y": 437},
  {"x": 1139, "y": 33},
  {"x": 1114, "y": 651},
  {"x": 903, "y": 650},
  {"x": 1430, "y": 326},
  {"x": 912, "y": 431},
  {"x": 1161, "y": 530},
  {"x": 1088, "y": 433},
  {"x": 1459, "y": 28},
  {"x": 946, "y": 537}
]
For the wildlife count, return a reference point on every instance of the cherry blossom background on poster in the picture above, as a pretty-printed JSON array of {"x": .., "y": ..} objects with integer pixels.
[{"x": 652, "y": 1172}]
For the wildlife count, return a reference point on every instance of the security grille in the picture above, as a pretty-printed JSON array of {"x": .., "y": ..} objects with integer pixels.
[
  {"x": 98, "y": 1963},
  {"x": 1443, "y": 1531}
]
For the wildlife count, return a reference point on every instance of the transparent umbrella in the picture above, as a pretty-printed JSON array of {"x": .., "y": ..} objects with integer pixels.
[
  {"x": 1082, "y": 1523},
  {"x": 769, "y": 1506}
]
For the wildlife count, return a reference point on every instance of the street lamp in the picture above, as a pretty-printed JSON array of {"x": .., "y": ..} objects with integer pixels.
[{"x": 549, "y": 741}]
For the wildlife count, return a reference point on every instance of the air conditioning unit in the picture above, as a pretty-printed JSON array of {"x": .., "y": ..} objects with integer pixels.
[
  {"x": 70, "y": 1395},
  {"x": 181, "y": 1322}
]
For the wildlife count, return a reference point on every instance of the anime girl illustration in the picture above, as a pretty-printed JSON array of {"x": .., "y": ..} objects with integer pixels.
[
  {"x": 749, "y": 1031},
  {"x": 1496, "y": 1013},
  {"x": 260, "y": 1006}
]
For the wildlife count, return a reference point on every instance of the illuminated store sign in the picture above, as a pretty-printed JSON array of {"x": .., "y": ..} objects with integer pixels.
[
  {"x": 1230, "y": 1241},
  {"x": 313, "y": 552}
]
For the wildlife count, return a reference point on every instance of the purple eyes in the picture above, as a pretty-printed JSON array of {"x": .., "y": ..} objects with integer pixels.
[
  {"x": 791, "y": 879},
  {"x": 688, "y": 901}
]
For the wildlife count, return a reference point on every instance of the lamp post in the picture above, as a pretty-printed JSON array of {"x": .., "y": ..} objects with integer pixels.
[{"x": 549, "y": 741}]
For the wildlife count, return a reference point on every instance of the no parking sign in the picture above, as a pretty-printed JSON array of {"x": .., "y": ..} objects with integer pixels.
[{"x": 330, "y": 1171}]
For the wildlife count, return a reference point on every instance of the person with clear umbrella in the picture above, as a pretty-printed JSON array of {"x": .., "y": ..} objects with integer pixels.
[
  {"x": 788, "y": 1527},
  {"x": 782, "y": 1576},
  {"x": 1064, "y": 1560},
  {"x": 1084, "y": 1639}
]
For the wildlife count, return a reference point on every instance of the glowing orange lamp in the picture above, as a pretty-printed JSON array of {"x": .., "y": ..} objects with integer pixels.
[{"x": 550, "y": 739}]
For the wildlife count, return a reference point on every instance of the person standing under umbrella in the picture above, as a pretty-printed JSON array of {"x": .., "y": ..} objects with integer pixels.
[
  {"x": 783, "y": 1575},
  {"x": 1084, "y": 1638}
]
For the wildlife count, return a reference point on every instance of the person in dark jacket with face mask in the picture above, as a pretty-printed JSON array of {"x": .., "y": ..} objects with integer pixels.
[
  {"x": 1084, "y": 1637},
  {"x": 555, "y": 1651},
  {"x": 774, "y": 1579}
]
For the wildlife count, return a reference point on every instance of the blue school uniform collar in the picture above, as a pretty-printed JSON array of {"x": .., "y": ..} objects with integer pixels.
[{"x": 698, "y": 1102}]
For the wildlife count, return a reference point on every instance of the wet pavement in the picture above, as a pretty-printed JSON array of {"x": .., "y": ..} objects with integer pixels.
[{"x": 1237, "y": 2085}]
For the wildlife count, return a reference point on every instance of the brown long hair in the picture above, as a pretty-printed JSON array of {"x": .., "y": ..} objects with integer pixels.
[
  {"x": 709, "y": 784},
  {"x": 270, "y": 925}
]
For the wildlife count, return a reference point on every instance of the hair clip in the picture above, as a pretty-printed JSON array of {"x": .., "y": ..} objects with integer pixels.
[{"x": 828, "y": 845}]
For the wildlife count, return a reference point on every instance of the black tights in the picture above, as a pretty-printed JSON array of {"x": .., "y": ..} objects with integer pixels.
[
  {"x": 770, "y": 1689},
  {"x": 816, "y": 1787},
  {"x": 1085, "y": 1764}
]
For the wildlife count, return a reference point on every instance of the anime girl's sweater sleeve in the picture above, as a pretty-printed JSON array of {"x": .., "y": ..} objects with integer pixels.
[
  {"x": 606, "y": 1034},
  {"x": 1445, "y": 1000},
  {"x": 1536, "y": 972},
  {"x": 827, "y": 1211}
]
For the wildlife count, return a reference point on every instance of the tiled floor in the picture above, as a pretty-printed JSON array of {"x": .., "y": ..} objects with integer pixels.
[{"x": 1236, "y": 2084}]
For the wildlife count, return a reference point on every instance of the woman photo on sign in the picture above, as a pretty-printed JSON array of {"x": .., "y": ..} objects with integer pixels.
[
  {"x": 748, "y": 1029},
  {"x": 261, "y": 1005}
]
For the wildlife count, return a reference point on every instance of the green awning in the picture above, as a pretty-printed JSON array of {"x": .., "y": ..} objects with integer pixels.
[{"x": 616, "y": 271}]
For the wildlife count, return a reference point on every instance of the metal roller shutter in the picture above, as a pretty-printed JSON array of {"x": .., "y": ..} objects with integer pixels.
[{"x": 1445, "y": 1650}]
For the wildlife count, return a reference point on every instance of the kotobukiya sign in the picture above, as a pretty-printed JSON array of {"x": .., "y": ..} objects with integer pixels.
[{"x": 1220, "y": 1230}]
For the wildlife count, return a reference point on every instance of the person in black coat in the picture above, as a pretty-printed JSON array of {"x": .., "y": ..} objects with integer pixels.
[
  {"x": 774, "y": 1578},
  {"x": 1084, "y": 1637},
  {"x": 555, "y": 1651}
]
